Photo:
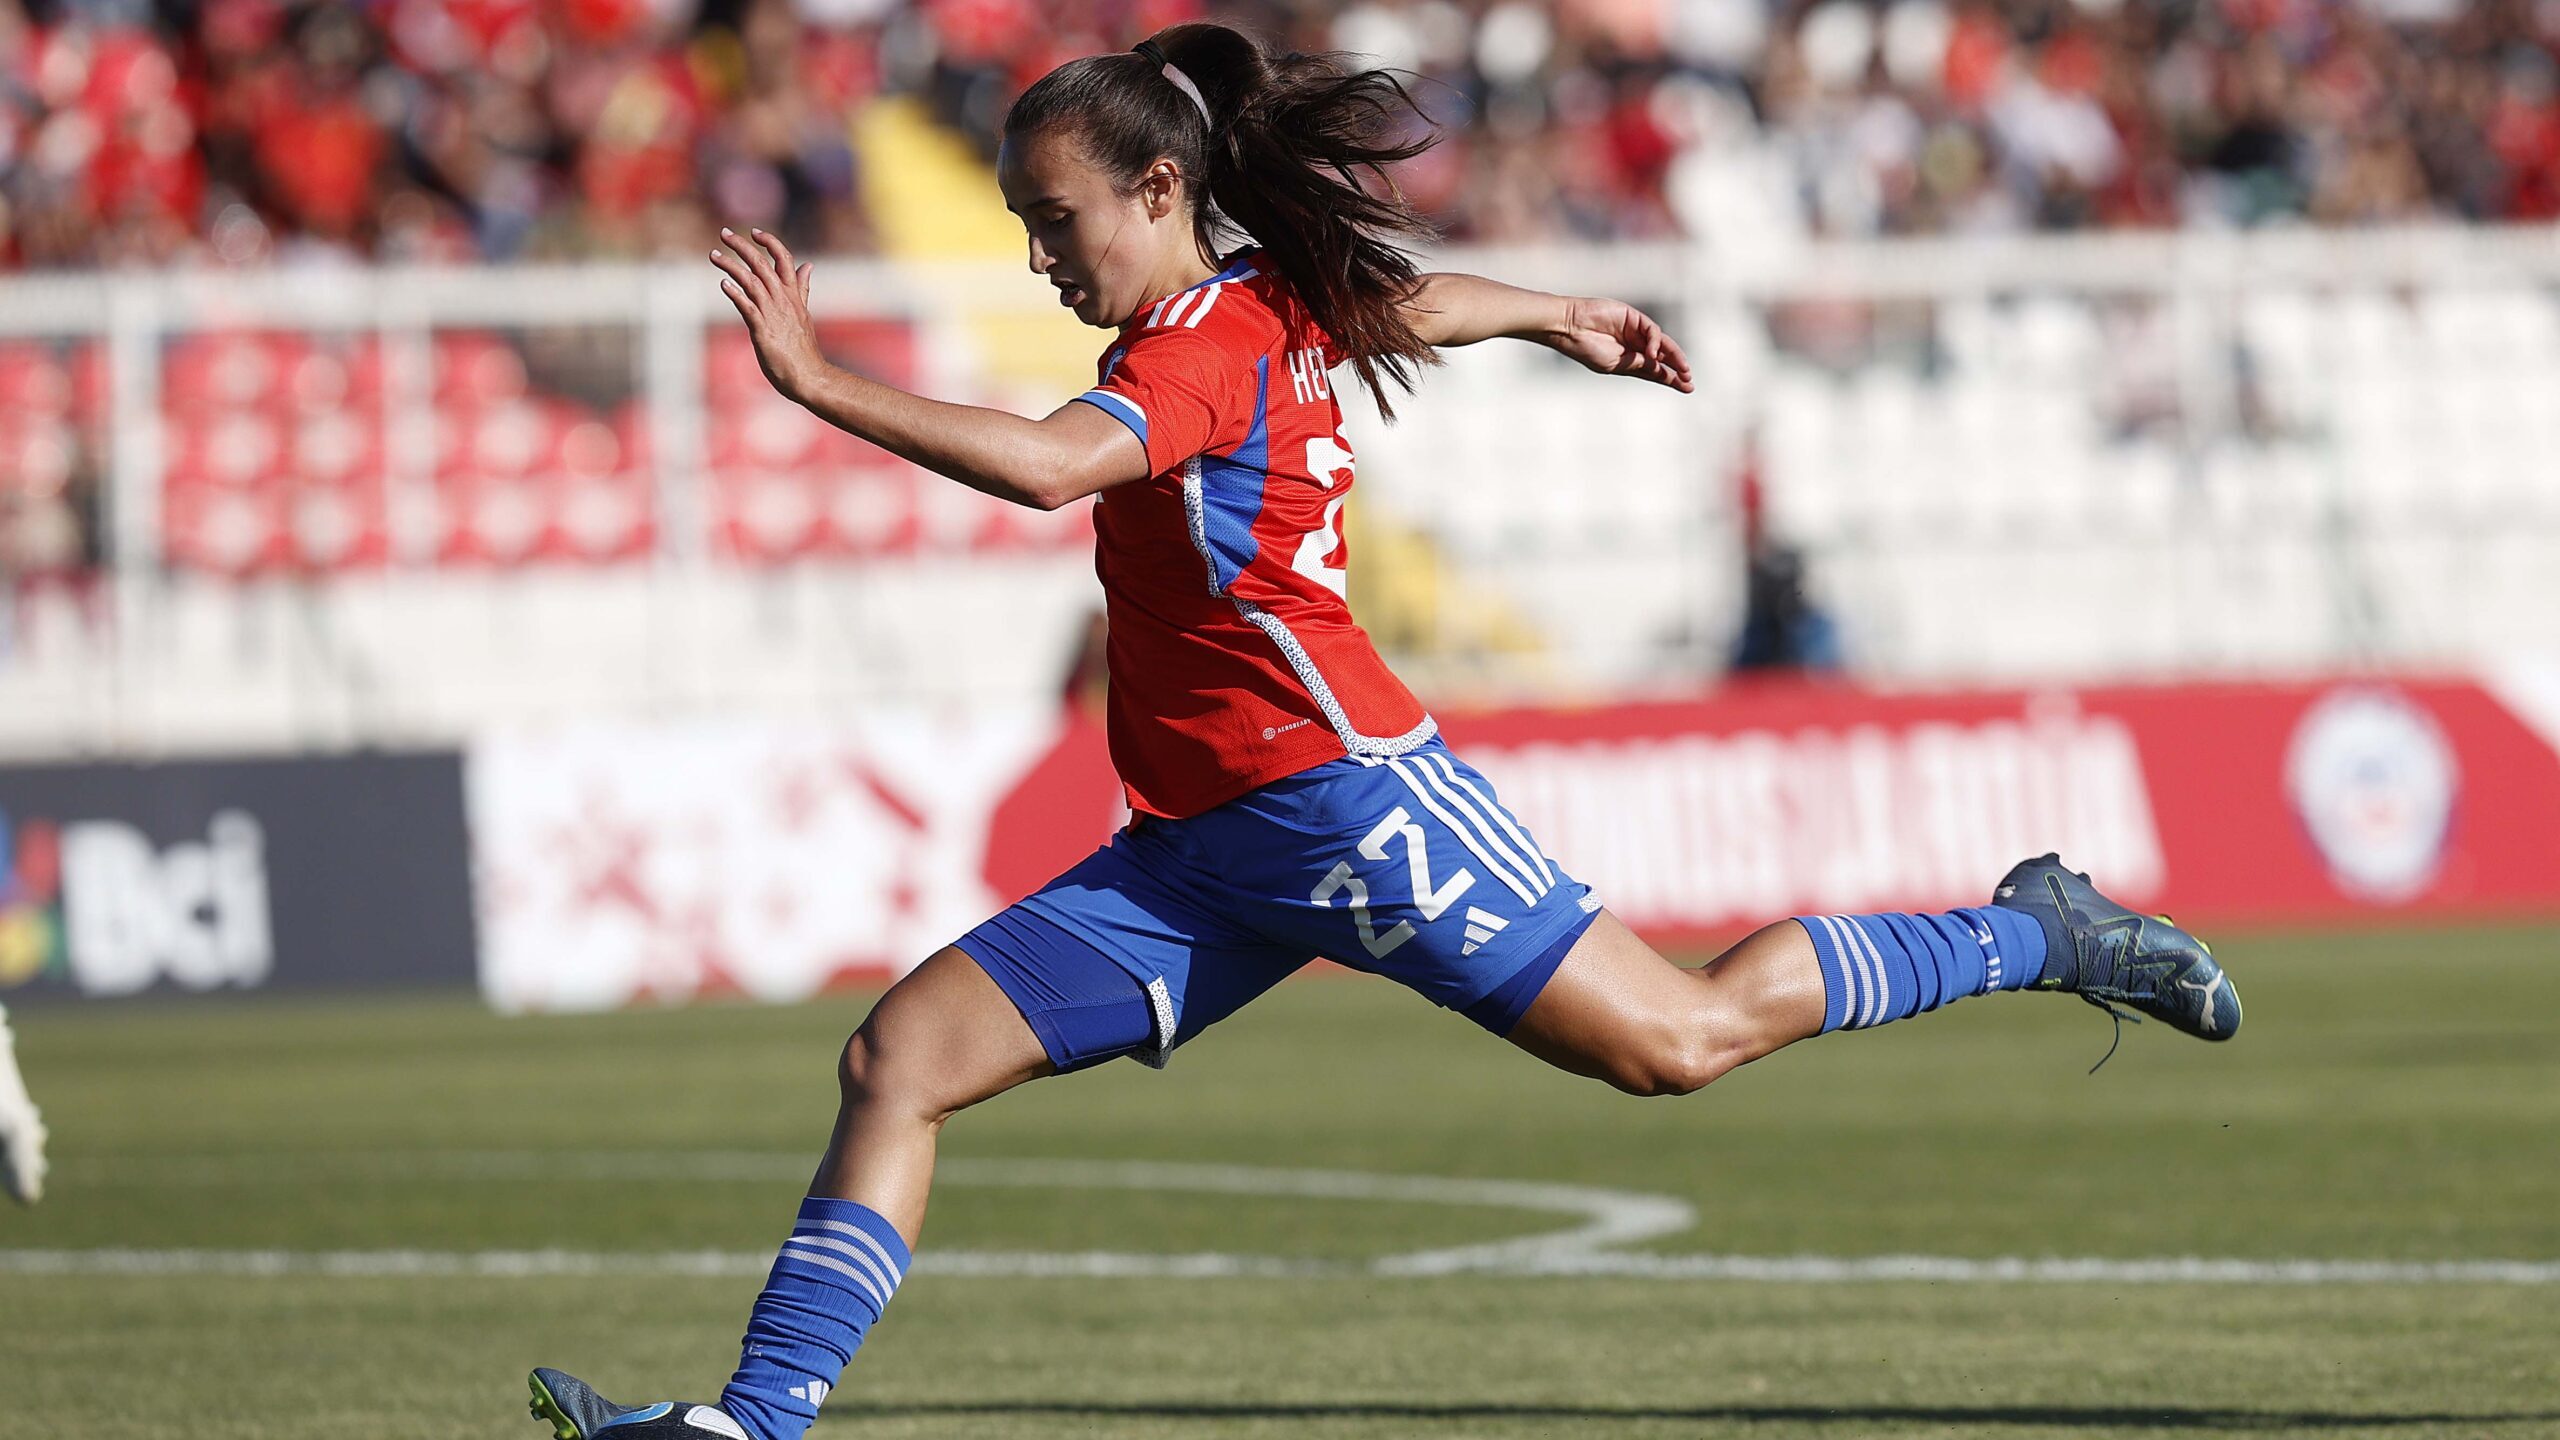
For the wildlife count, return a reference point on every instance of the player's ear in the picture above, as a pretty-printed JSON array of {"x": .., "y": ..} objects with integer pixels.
[{"x": 1161, "y": 189}]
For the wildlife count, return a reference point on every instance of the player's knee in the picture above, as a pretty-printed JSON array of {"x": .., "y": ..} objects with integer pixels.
[
  {"x": 1677, "y": 1062},
  {"x": 873, "y": 1074},
  {"x": 858, "y": 1068}
]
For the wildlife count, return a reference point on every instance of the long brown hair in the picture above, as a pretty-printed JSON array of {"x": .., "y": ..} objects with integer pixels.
[{"x": 1278, "y": 160}]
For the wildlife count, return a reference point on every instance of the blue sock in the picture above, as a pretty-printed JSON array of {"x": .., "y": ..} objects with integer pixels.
[
  {"x": 1878, "y": 968},
  {"x": 830, "y": 1283}
]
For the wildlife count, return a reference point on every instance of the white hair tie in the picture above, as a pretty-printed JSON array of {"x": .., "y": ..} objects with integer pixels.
[
  {"x": 1174, "y": 73},
  {"x": 1181, "y": 82}
]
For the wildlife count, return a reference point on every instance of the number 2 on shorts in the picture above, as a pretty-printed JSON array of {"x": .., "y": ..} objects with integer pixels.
[{"x": 1429, "y": 899}]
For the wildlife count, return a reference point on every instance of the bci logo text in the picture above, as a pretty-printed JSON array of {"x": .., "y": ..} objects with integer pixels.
[{"x": 99, "y": 901}]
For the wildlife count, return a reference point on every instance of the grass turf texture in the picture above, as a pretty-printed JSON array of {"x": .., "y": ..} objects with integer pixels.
[{"x": 2395, "y": 1097}]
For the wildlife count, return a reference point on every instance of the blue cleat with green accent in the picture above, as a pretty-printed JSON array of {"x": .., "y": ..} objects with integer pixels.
[
  {"x": 576, "y": 1412},
  {"x": 2109, "y": 955}
]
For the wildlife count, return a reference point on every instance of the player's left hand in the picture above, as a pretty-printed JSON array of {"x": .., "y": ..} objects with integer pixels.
[
  {"x": 772, "y": 296},
  {"x": 1615, "y": 338}
]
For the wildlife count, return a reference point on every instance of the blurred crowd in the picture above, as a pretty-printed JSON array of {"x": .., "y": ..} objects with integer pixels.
[{"x": 241, "y": 132}]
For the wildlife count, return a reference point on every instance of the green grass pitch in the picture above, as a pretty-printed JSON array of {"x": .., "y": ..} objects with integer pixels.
[{"x": 2396, "y": 1097}]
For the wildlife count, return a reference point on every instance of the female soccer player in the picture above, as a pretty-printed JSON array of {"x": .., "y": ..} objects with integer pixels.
[{"x": 1289, "y": 797}]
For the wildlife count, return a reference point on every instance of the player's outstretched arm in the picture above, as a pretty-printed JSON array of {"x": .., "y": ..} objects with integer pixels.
[
  {"x": 1609, "y": 336},
  {"x": 1040, "y": 463}
]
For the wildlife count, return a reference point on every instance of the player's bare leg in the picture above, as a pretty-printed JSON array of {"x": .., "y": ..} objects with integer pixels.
[
  {"x": 942, "y": 1039},
  {"x": 1616, "y": 1010}
]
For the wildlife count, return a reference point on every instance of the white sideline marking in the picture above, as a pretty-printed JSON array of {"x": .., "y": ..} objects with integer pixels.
[
  {"x": 1774, "y": 1269},
  {"x": 1605, "y": 1220}
]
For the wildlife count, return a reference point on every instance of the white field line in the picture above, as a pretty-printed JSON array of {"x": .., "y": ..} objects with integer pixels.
[
  {"x": 1608, "y": 1217},
  {"x": 1770, "y": 1269},
  {"x": 1604, "y": 1220}
]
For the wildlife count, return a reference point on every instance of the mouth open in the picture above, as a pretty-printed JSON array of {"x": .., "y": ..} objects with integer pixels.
[{"x": 1070, "y": 295}]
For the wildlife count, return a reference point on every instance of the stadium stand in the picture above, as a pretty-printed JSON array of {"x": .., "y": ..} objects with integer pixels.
[
  {"x": 2329, "y": 434},
  {"x": 259, "y": 131}
]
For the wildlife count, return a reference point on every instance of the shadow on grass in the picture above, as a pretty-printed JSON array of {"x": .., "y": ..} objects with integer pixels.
[{"x": 2109, "y": 1417}]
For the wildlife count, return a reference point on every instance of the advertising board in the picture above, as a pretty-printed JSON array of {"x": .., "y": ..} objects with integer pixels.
[
  {"x": 637, "y": 864},
  {"x": 196, "y": 876}
]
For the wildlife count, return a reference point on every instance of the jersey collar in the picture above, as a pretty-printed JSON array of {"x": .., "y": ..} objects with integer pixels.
[{"x": 1237, "y": 265}]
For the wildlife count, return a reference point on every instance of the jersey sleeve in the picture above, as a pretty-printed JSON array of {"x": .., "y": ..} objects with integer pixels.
[{"x": 1174, "y": 390}]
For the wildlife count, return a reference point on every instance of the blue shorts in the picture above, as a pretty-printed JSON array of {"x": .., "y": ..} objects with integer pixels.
[{"x": 1405, "y": 867}]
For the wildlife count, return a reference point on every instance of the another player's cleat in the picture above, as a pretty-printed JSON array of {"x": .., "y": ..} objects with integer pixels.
[
  {"x": 22, "y": 1163},
  {"x": 2109, "y": 955},
  {"x": 576, "y": 1412}
]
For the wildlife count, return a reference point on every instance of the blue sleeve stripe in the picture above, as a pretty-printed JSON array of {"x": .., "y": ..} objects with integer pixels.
[{"x": 1120, "y": 408}]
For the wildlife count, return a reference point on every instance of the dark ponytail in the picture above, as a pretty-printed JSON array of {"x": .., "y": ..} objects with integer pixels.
[{"x": 1278, "y": 159}]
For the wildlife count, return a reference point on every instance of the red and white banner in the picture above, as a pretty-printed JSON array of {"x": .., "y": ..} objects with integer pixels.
[
  {"x": 629, "y": 864},
  {"x": 614, "y": 865},
  {"x": 2311, "y": 803}
]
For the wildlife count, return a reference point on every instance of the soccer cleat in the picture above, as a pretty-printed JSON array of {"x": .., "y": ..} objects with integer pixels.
[
  {"x": 576, "y": 1412},
  {"x": 2109, "y": 955}
]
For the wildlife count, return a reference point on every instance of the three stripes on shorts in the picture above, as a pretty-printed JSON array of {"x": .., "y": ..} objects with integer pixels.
[{"x": 1482, "y": 825}]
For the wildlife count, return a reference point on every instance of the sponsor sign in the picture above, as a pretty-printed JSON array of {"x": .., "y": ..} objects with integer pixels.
[
  {"x": 123, "y": 880},
  {"x": 622, "y": 863},
  {"x": 1710, "y": 821},
  {"x": 2311, "y": 803},
  {"x": 630, "y": 864}
]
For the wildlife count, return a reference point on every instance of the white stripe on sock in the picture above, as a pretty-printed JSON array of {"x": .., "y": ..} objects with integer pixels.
[
  {"x": 1845, "y": 960},
  {"x": 812, "y": 1257},
  {"x": 1870, "y": 983},
  {"x": 896, "y": 1272},
  {"x": 1884, "y": 986},
  {"x": 859, "y": 1257}
]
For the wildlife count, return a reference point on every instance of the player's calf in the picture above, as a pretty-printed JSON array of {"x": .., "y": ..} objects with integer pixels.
[
  {"x": 1666, "y": 1063},
  {"x": 1617, "y": 1011}
]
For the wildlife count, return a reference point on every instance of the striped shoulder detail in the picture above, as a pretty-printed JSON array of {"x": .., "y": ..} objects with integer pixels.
[{"x": 1185, "y": 309}]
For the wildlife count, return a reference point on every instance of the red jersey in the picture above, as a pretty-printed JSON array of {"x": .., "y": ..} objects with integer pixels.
[{"x": 1233, "y": 657}]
